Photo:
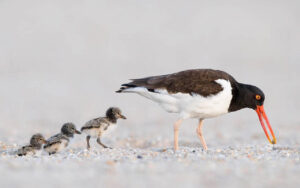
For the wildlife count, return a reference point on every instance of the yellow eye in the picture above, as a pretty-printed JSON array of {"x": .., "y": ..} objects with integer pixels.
[{"x": 258, "y": 97}]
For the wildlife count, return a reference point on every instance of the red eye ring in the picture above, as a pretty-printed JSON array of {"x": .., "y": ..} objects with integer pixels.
[{"x": 258, "y": 97}]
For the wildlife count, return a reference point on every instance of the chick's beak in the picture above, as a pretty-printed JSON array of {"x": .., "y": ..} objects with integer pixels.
[
  {"x": 262, "y": 116},
  {"x": 123, "y": 117},
  {"x": 77, "y": 132}
]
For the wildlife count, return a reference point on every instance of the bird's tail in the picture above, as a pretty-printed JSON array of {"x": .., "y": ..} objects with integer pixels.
[{"x": 125, "y": 88}]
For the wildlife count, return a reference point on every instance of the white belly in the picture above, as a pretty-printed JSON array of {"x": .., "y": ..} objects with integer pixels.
[
  {"x": 191, "y": 106},
  {"x": 94, "y": 133}
]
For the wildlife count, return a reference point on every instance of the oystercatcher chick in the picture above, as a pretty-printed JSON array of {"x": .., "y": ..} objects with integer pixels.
[
  {"x": 101, "y": 126},
  {"x": 36, "y": 142},
  {"x": 61, "y": 140},
  {"x": 201, "y": 94}
]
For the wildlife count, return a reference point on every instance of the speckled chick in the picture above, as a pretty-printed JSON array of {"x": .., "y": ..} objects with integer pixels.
[
  {"x": 101, "y": 126},
  {"x": 36, "y": 142},
  {"x": 61, "y": 140}
]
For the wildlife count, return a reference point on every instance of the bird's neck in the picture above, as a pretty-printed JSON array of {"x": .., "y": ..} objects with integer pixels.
[
  {"x": 239, "y": 95},
  {"x": 112, "y": 119},
  {"x": 67, "y": 134},
  {"x": 37, "y": 146}
]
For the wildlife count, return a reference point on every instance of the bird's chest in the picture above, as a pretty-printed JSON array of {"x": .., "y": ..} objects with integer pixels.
[
  {"x": 106, "y": 131},
  {"x": 64, "y": 143},
  {"x": 38, "y": 152}
]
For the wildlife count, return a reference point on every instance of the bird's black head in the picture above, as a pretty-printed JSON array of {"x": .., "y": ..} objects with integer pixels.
[
  {"x": 69, "y": 130},
  {"x": 253, "y": 97},
  {"x": 113, "y": 114},
  {"x": 248, "y": 96},
  {"x": 37, "y": 140}
]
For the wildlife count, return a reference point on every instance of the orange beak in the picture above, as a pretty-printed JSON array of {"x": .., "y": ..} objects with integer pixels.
[{"x": 262, "y": 115}]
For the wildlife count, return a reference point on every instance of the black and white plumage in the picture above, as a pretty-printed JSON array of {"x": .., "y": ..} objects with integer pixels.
[
  {"x": 101, "y": 126},
  {"x": 61, "y": 140},
  {"x": 36, "y": 142},
  {"x": 201, "y": 94}
]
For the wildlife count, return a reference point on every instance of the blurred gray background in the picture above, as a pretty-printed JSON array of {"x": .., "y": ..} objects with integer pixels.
[{"x": 62, "y": 61}]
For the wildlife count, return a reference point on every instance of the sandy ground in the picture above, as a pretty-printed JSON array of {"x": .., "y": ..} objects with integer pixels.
[
  {"x": 129, "y": 166},
  {"x": 61, "y": 61},
  {"x": 142, "y": 159}
]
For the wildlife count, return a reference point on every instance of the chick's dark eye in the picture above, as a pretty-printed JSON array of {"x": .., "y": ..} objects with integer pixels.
[{"x": 258, "y": 97}]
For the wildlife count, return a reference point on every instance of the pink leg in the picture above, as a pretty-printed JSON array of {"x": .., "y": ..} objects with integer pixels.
[
  {"x": 200, "y": 134},
  {"x": 176, "y": 129}
]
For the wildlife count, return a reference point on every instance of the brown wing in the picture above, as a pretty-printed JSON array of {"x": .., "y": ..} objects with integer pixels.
[
  {"x": 56, "y": 139},
  {"x": 24, "y": 150},
  {"x": 95, "y": 123},
  {"x": 200, "y": 81}
]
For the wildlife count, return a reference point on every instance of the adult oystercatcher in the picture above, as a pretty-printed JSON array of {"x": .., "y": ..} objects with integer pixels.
[{"x": 200, "y": 93}]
